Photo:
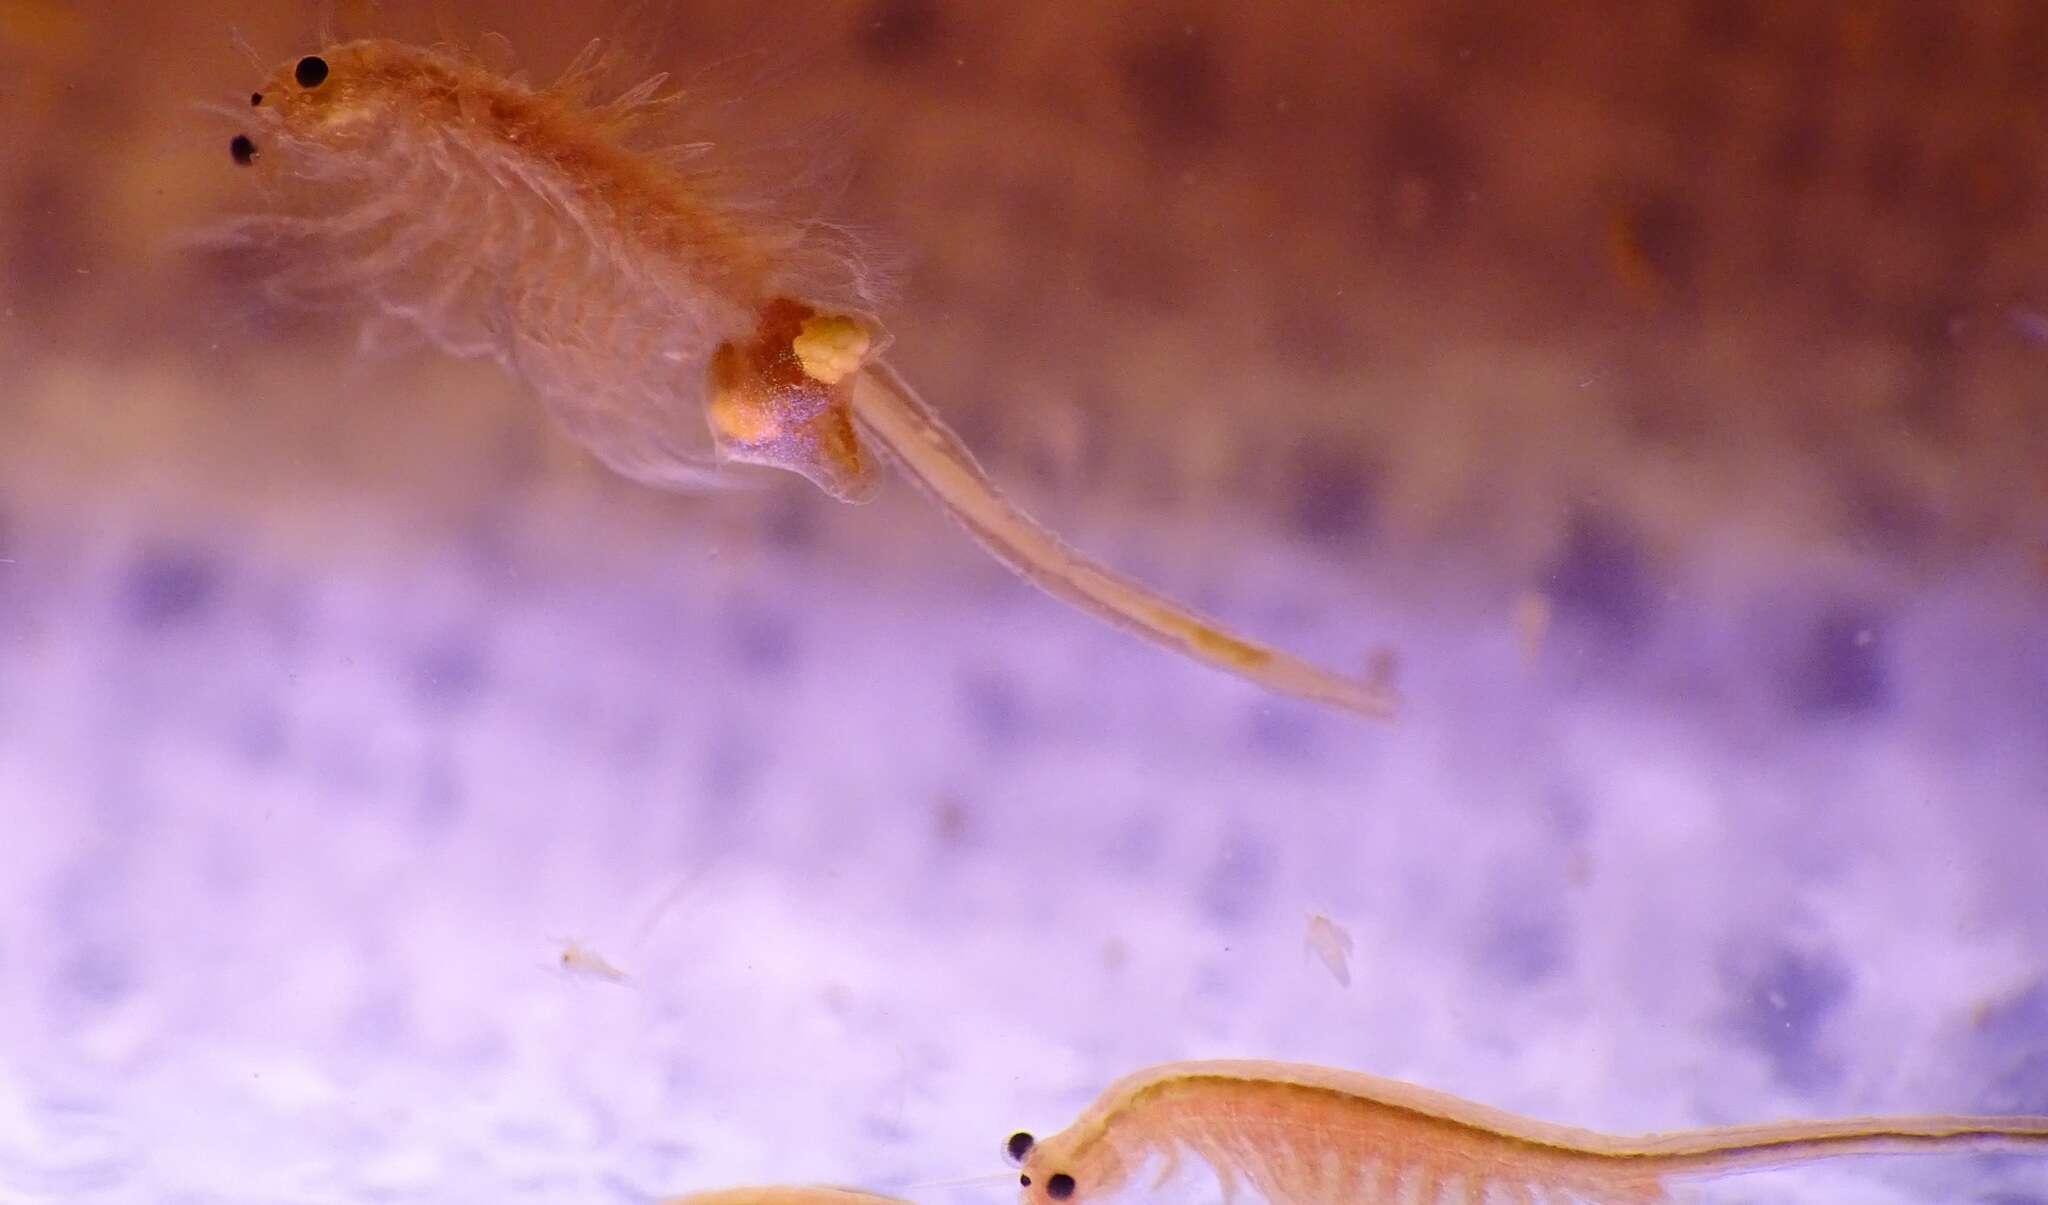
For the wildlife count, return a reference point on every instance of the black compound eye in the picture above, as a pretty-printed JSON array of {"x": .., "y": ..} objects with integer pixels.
[
  {"x": 1019, "y": 1145},
  {"x": 1060, "y": 1187},
  {"x": 255, "y": 98},
  {"x": 242, "y": 149},
  {"x": 311, "y": 71}
]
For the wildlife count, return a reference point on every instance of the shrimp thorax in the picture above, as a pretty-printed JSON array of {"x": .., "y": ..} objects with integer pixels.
[{"x": 783, "y": 397}]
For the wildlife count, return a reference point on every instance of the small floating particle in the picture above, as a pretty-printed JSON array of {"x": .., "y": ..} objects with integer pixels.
[{"x": 1330, "y": 942}]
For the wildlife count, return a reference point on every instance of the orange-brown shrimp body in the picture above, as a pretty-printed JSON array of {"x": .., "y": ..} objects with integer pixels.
[
  {"x": 667, "y": 325},
  {"x": 520, "y": 224},
  {"x": 1305, "y": 1135}
]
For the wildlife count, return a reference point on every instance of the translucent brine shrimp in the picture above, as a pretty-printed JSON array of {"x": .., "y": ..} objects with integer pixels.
[
  {"x": 578, "y": 959},
  {"x": 1303, "y": 1135},
  {"x": 670, "y": 322}
]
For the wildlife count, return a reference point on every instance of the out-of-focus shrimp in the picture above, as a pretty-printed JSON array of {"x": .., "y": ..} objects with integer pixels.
[{"x": 580, "y": 960}]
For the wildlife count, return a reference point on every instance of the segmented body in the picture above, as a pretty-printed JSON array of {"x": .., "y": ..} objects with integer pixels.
[
  {"x": 520, "y": 224},
  {"x": 1303, "y": 1135}
]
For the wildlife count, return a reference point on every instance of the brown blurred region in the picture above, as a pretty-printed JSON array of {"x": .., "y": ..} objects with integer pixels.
[{"x": 1385, "y": 279}]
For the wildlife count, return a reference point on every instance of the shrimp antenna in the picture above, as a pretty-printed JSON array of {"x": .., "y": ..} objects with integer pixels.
[
  {"x": 220, "y": 110},
  {"x": 248, "y": 52},
  {"x": 447, "y": 32},
  {"x": 679, "y": 891}
]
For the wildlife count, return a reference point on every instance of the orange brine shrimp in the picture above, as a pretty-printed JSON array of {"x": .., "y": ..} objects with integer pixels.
[
  {"x": 669, "y": 324},
  {"x": 1305, "y": 1135}
]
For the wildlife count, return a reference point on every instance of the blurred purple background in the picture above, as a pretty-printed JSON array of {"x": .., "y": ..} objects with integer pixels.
[{"x": 340, "y": 695}]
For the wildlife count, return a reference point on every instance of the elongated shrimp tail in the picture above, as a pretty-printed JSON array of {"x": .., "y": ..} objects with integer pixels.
[
  {"x": 891, "y": 413},
  {"x": 1705, "y": 1154}
]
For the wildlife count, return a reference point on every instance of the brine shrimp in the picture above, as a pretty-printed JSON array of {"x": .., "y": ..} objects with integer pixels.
[
  {"x": 671, "y": 325},
  {"x": 579, "y": 958},
  {"x": 1304, "y": 1135},
  {"x": 582, "y": 961}
]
